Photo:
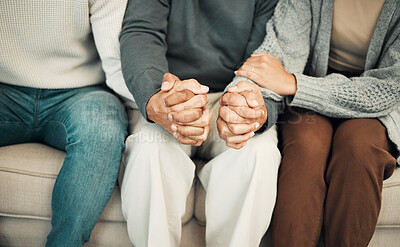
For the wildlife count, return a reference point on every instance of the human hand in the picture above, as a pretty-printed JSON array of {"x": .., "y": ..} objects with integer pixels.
[
  {"x": 180, "y": 109},
  {"x": 267, "y": 71},
  {"x": 242, "y": 113}
]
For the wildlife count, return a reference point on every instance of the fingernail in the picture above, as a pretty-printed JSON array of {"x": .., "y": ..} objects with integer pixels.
[
  {"x": 170, "y": 117},
  {"x": 254, "y": 102},
  {"x": 174, "y": 128},
  {"x": 176, "y": 135},
  {"x": 252, "y": 134},
  {"x": 263, "y": 112},
  {"x": 165, "y": 85},
  {"x": 257, "y": 125},
  {"x": 204, "y": 88}
]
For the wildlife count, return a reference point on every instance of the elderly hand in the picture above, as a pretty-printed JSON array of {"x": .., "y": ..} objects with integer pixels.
[
  {"x": 242, "y": 112},
  {"x": 180, "y": 109},
  {"x": 267, "y": 71}
]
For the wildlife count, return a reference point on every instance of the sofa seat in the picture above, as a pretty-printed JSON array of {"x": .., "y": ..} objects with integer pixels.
[
  {"x": 28, "y": 173},
  {"x": 27, "y": 177},
  {"x": 387, "y": 233}
]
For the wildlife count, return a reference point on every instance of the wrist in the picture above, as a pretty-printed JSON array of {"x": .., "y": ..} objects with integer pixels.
[
  {"x": 151, "y": 108},
  {"x": 292, "y": 84}
]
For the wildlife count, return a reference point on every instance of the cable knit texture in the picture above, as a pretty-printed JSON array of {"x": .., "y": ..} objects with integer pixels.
[
  {"x": 61, "y": 44},
  {"x": 299, "y": 35}
]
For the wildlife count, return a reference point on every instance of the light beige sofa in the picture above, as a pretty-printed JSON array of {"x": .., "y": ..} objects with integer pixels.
[{"x": 27, "y": 176}]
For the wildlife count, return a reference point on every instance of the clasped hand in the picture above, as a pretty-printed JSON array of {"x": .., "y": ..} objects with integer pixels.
[
  {"x": 180, "y": 108},
  {"x": 241, "y": 114}
]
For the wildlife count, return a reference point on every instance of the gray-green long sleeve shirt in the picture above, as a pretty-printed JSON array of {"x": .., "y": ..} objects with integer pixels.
[
  {"x": 206, "y": 40},
  {"x": 299, "y": 35}
]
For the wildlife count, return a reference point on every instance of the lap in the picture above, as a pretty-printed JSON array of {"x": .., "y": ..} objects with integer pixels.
[
  {"x": 56, "y": 117},
  {"x": 90, "y": 114},
  {"x": 16, "y": 114},
  {"x": 361, "y": 132}
]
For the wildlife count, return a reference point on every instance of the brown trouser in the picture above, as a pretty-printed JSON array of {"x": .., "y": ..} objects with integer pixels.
[{"x": 330, "y": 179}]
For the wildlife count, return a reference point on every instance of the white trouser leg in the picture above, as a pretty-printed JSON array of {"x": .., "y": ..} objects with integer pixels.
[
  {"x": 157, "y": 180},
  {"x": 241, "y": 191}
]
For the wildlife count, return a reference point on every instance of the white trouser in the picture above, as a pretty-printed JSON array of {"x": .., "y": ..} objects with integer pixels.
[{"x": 240, "y": 186}]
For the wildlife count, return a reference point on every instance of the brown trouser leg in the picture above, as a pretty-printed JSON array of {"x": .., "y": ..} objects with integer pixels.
[
  {"x": 360, "y": 161},
  {"x": 350, "y": 181}
]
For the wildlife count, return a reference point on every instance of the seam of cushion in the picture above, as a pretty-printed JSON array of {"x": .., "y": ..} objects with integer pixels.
[
  {"x": 20, "y": 216},
  {"x": 388, "y": 226},
  {"x": 28, "y": 173},
  {"x": 25, "y": 216},
  {"x": 394, "y": 184}
]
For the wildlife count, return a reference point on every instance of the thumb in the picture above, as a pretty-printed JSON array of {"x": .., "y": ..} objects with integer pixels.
[{"x": 168, "y": 82}]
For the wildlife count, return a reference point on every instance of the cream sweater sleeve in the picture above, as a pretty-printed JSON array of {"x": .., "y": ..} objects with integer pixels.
[{"x": 106, "y": 21}]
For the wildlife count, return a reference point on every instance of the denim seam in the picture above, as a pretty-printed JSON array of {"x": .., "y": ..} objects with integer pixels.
[{"x": 37, "y": 106}]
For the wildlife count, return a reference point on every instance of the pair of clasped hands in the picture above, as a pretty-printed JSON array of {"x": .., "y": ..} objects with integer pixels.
[{"x": 180, "y": 106}]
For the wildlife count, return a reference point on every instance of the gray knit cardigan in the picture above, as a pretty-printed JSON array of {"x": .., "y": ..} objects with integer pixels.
[{"x": 299, "y": 35}]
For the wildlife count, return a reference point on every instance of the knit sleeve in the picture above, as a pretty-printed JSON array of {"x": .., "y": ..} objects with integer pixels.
[
  {"x": 106, "y": 20},
  {"x": 374, "y": 94},
  {"x": 288, "y": 39},
  {"x": 144, "y": 47}
]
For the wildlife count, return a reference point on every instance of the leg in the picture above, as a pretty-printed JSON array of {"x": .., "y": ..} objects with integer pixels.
[
  {"x": 157, "y": 180},
  {"x": 17, "y": 107},
  {"x": 241, "y": 191},
  {"x": 306, "y": 142},
  {"x": 241, "y": 188},
  {"x": 360, "y": 161},
  {"x": 91, "y": 123}
]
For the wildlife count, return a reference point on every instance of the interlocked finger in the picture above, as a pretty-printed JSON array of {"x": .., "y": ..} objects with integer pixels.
[
  {"x": 187, "y": 131},
  {"x": 186, "y": 116},
  {"x": 247, "y": 112},
  {"x": 237, "y": 139},
  {"x": 233, "y": 99},
  {"x": 203, "y": 121},
  {"x": 240, "y": 129},
  {"x": 175, "y": 98},
  {"x": 231, "y": 116},
  {"x": 197, "y": 101}
]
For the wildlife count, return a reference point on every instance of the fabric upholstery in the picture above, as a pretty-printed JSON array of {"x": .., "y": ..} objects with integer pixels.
[{"x": 27, "y": 175}]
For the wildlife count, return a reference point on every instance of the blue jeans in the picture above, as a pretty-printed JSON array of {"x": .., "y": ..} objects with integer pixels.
[{"x": 90, "y": 124}]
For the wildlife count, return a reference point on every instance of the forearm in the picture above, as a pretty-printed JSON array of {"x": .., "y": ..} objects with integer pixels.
[
  {"x": 143, "y": 48},
  {"x": 273, "y": 110},
  {"x": 338, "y": 96},
  {"x": 106, "y": 20},
  {"x": 288, "y": 34}
]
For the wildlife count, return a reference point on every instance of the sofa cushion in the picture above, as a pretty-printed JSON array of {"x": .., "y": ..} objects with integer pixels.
[
  {"x": 389, "y": 215},
  {"x": 27, "y": 176}
]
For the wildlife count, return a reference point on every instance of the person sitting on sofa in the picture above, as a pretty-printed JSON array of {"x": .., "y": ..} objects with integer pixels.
[
  {"x": 174, "y": 53},
  {"x": 52, "y": 91},
  {"x": 340, "y": 133}
]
